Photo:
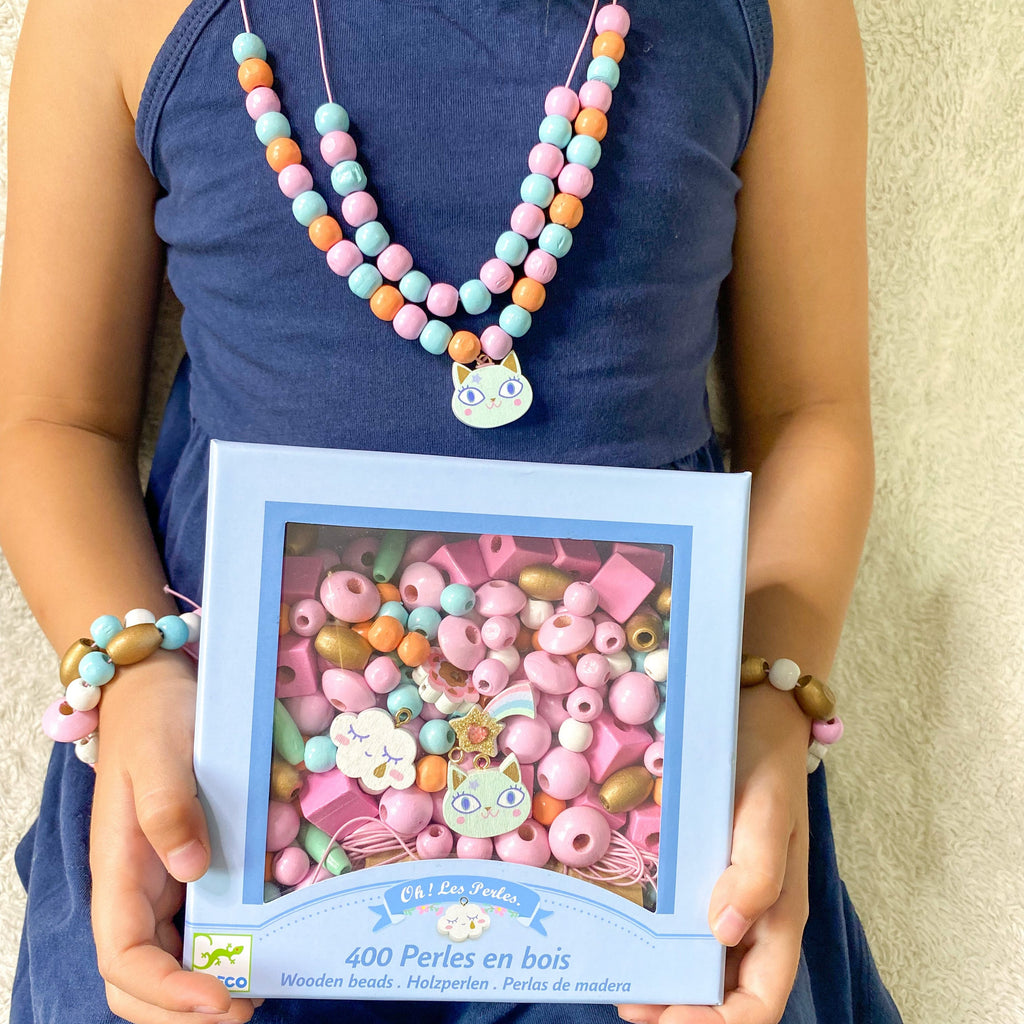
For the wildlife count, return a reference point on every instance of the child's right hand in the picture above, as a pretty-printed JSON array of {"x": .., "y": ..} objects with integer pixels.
[{"x": 148, "y": 837}]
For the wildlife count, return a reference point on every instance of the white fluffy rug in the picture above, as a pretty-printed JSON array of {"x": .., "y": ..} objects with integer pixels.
[{"x": 927, "y": 787}]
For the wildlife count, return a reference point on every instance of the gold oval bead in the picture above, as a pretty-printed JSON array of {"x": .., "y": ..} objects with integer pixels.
[
  {"x": 625, "y": 789},
  {"x": 72, "y": 656},
  {"x": 285, "y": 780},
  {"x": 300, "y": 538},
  {"x": 644, "y": 630},
  {"x": 753, "y": 670},
  {"x": 544, "y": 582},
  {"x": 662, "y": 598},
  {"x": 815, "y": 697},
  {"x": 343, "y": 647},
  {"x": 134, "y": 643}
]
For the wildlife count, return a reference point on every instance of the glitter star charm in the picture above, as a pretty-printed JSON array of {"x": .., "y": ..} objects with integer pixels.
[{"x": 477, "y": 732}]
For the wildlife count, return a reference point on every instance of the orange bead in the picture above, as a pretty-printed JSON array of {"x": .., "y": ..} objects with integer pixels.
[
  {"x": 253, "y": 73},
  {"x": 414, "y": 649},
  {"x": 566, "y": 210},
  {"x": 324, "y": 232},
  {"x": 386, "y": 301},
  {"x": 432, "y": 773},
  {"x": 268, "y": 865},
  {"x": 591, "y": 121},
  {"x": 535, "y": 641},
  {"x": 362, "y": 628},
  {"x": 524, "y": 641},
  {"x": 282, "y": 153},
  {"x": 657, "y": 791},
  {"x": 385, "y": 634},
  {"x": 283, "y": 625},
  {"x": 464, "y": 346},
  {"x": 529, "y": 294},
  {"x": 546, "y": 808},
  {"x": 388, "y": 592},
  {"x": 609, "y": 44}
]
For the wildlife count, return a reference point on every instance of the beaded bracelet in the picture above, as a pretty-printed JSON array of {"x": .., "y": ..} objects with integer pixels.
[
  {"x": 815, "y": 698},
  {"x": 91, "y": 662}
]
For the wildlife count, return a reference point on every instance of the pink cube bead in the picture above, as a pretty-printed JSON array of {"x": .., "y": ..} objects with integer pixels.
[
  {"x": 395, "y": 262},
  {"x": 579, "y": 836},
  {"x": 434, "y": 842},
  {"x": 460, "y": 642},
  {"x": 347, "y": 690},
  {"x": 409, "y": 321},
  {"x": 382, "y": 675},
  {"x": 419, "y": 549},
  {"x": 337, "y": 146},
  {"x": 497, "y": 275},
  {"x": 527, "y": 844},
  {"x": 580, "y": 557},
  {"x": 621, "y": 587},
  {"x": 358, "y": 208},
  {"x": 612, "y": 18},
  {"x": 495, "y": 342},
  {"x": 634, "y": 698},
  {"x": 442, "y": 299},
  {"x": 643, "y": 827},
  {"x": 614, "y": 746},
  {"x": 407, "y": 811},
  {"x": 350, "y": 596},
  {"x": 420, "y": 586},
  {"x": 541, "y": 266},
  {"x": 331, "y": 799},
  {"x": 597, "y": 95},
  {"x": 262, "y": 100},
  {"x": 546, "y": 159},
  {"x": 563, "y": 773},
  {"x": 650, "y": 561},
  {"x": 312, "y": 713},
  {"x": 282, "y": 825},
  {"x": 504, "y": 556},
  {"x": 63, "y": 724},
  {"x": 300, "y": 577},
  {"x": 471, "y": 848},
  {"x": 528, "y": 219},
  {"x": 294, "y": 179},
  {"x": 528, "y": 738},
  {"x": 562, "y": 100},
  {"x": 577, "y": 180},
  {"x": 462, "y": 561},
  {"x": 591, "y": 798},
  {"x": 550, "y": 673},
  {"x": 296, "y": 666}
]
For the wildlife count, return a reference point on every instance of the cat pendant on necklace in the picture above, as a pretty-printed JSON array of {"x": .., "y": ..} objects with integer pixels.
[{"x": 490, "y": 395}]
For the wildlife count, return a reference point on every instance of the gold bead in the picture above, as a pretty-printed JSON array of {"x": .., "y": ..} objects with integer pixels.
[
  {"x": 72, "y": 656},
  {"x": 815, "y": 697},
  {"x": 285, "y": 780},
  {"x": 625, "y": 789},
  {"x": 662, "y": 598},
  {"x": 343, "y": 647},
  {"x": 134, "y": 643},
  {"x": 753, "y": 670},
  {"x": 644, "y": 630},
  {"x": 544, "y": 582},
  {"x": 300, "y": 538}
]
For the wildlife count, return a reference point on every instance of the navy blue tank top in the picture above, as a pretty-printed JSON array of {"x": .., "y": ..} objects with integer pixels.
[{"x": 445, "y": 98}]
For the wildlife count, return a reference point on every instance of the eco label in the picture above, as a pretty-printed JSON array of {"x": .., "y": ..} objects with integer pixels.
[{"x": 229, "y": 957}]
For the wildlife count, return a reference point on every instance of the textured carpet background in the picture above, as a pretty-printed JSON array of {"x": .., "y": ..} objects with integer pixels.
[{"x": 927, "y": 787}]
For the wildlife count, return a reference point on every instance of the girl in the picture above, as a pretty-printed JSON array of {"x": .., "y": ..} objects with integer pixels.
[{"x": 157, "y": 162}]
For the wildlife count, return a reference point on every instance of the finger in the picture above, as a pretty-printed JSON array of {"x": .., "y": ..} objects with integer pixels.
[
  {"x": 638, "y": 1013},
  {"x": 128, "y": 1006}
]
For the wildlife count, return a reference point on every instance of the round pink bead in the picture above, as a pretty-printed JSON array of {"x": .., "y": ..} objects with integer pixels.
[
  {"x": 562, "y": 100},
  {"x": 593, "y": 670},
  {"x": 547, "y": 159},
  {"x": 528, "y": 844},
  {"x": 565, "y": 634},
  {"x": 654, "y": 758},
  {"x": 584, "y": 704},
  {"x": 307, "y": 617},
  {"x": 499, "y": 632},
  {"x": 540, "y": 265},
  {"x": 350, "y": 596},
  {"x": 609, "y": 637},
  {"x": 290, "y": 866},
  {"x": 499, "y": 597},
  {"x": 337, "y": 146},
  {"x": 528, "y": 220},
  {"x": 434, "y": 842},
  {"x": 312, "y": 713},
  {"x": 382, "y": 675},
  {"x": 420, "y": 548},
  {"x": 442, "y": 299},
  {"x": 358, "y": 208},
  {"x": 409, "y": 320},
  {"x": 577, "y": 180},
  {"x": 420, "y": 586},
  {"x": 395, "y": 262},
  {"x": 596, "y": 94},
  {"x": 347, "y": 690},
  {"x": 262, "y": 100},
  {"x": 828, "y": 732},
  {"x": 496, "y": 342},
  {"x": 550, "y": 673},
  {"x": 497, "y": 275},
  {"x": 343, "y": 257},
  {"x": 407, "y": 811},
  {"x": 612, "y": 18},
  {"x": 471, "y": 848},
  {"x": 359, "y": 554},
  {"x": 294, "y": 179},
  {"x": 563, "y": 773},
  {"x": 282, "y": 825},
  {"x": 579, "y": 836},
  {"x": 65, "y": 725},
  {"x": 490, "y": 677},
  {"x": 551, "y": 707},
  {"x": 634, "y": 698},
  {"x": 528, "y": 738},
  {"x": 580, "y": 598},
  {"x": 460, "y": 642}
]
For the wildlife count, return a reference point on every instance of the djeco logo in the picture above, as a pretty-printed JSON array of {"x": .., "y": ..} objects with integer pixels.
[{"x": 229, "y": 957}]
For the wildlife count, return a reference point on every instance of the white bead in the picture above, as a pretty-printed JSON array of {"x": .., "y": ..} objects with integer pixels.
[
  {"x": 656, "y": 664},
  {"x": 447, "y": 706},
  {"x": 783, "y": 674},
  {"x": 419, "y": 674},
  {"x": 812, "y": 763},
  {"x": 818, "y": 749},
  {"x": 620, "y": 662},
  {"x": 81, "y": 696},
  {"x": 193, "y": 622},
  {"x": 509, "y": 657},
  {"x": 575, "y": 735},
  {"x": 137, "y": 615},
  {"x": 87, "y": 750},
  {"x": 429, "y": 692},
  {"x": 536, "y": 613}
]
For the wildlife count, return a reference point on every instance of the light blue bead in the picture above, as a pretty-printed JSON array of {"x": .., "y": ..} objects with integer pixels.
[
  {"x": 246, "y": 45},
  {"x": 96, "y": 668},
  {"x": 331, "y": 117},
  {"x": 320, "y": 755},
  {"x": 414, "y": 286},
  {"x": 584, "y": 149},
  {"x": 348, "y": 177},
  {"x": 603, "y": 69},
  {"x": 405, "y": 696},
  {"x": 307, "y": 206},
  {"x": 435, "y": 336},
  {"x": 638, "y": 660},
  {"x": 538, "y": 189},
  {"x": 555, "y": 239},
  {"x": 475, "y": 296},
  {"x": 425, "y": 620},
  {"x": 272, "y": 125},
  {"x": 104, "y": 628},
  {"x": 515, "y": 320},
  {"x": 511, "y": 247},
  {"x": 174, "y": 630},
  {"x": 365, "y": 280},
  {"x": 659, "y": 720},
  {"x": 457, "y": 599},
  {"x": 396, "y": 610},
  {"x": 372, "y": 238},
  {"x": 555, "y": 129},
  {"x": 662, "y": 689},
  {"x": 437, "y": 736}
]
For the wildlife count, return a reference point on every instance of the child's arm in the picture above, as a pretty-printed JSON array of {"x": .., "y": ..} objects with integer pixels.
[
  {"x": 797, "y": 352},
  {"x": 81, "y": 276}
]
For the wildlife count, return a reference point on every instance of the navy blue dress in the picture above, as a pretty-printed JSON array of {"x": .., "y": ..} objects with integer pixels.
[{"x": 445, "y": 98}]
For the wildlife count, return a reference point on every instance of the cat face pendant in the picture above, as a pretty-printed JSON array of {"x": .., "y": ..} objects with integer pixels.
[
  {"x": 486, "y": 802},
  {"x": 491, "y": 395}
]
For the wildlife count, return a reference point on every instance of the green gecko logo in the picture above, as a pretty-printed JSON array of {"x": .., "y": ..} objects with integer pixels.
[
  {"x": 229, "y": 957},
  {"x": 213, "y": 957}
]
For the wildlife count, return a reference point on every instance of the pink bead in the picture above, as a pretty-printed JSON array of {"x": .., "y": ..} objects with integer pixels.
[
  {"x": 634, "y": 698},
  {"x": 592, "y": 798},
  {"x": 337, "y": 146},
  {"x": 359, "y": 554},
  {"x": 528, "y": 219},
  {"x": 420, "y": 586},
  {"x": 621, "y": 587},
  {"x": 650, "y": 561},
  {"x": 350, "y": 596},
  {"x": 490, "y": 677},
  {"x": 419, "y": 549},
  {"x": 307, "y": 617},
  {"x": 407, "y": 811},
  {"x": 497, "y": 275},
  {"x": 296, "y": 667},
  {"x": 609, "y": 637},
  {"x": 300, "y": 576},
  {"x": 577, "y": 180},
  {"x": 347, "y": 690},
  {"x": 563, "y": 773},
  {"x": 593, "y": 670},
  {"x": 579, "y": 836},
  {"x": 499, "y": 632},
  {"x": 580, "y": 598},
  {"x": 584, "y": 704},
  {"x": 496, "y": 343},
  {"x": 654, "y": 758},
  {"x": 434, "y": 842},
  {"x": 551, "y": 707},
  {"x": 505, "y": 556},
  {"x": 550, "y": 673},
  {"x": 540, "y": 265},
  {"x": 500, "y": 597},
  {"x": 614, "y": 746},
  {"x": 290, "y": 866},
  {"x": 528, "y": 844},
  {"x": 643, "y": 827},
  {"x": 331, "y": 799},
  {"x": 579, "y": 557},
  {"x": 471, "y": 848},
  {"x": 62, "y": 723},
  {"x": 565, "y": 634},
  {"x": 547, "y": 159},
  {"x": 596, "y": 94},
  {"x": 314, "y": 875},
  {"x": 431, "y": 711},
  {"x": 562, "y": 100},
  {"x": 282, "y": 825},
  {"x": 462, "y": 561},
  {"x": 460, "y": 642},
  {"x": 828, "y": 732},
  {"x": 528, "y": 738},
  {"x": 442, "y": 299},
  {"x": 612, "y": 18},
  {"x": 358, "y": 208},
  {"x": 382, "y": 675},
  {"x": 395, "y": 262},
  {"x": 312, "y": 713},
  {"x": 409, "y": 321},
  {"x": 294, "y": 180},
  {"x": 262, "y": 100}
]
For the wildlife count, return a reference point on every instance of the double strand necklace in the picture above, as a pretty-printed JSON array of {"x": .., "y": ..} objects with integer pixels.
[{"x": 490, "y": 387}]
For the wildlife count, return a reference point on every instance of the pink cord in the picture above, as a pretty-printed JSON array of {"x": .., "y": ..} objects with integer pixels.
[
  {"x": 182, "y": 597},
  {"x": 320, "y": 43},
  {"x": 583, "y": 42},
  {"x": 245, "y": 15}
]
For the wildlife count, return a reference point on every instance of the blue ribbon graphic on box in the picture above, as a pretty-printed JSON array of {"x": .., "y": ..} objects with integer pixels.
[{"x": 522, "y": 904}]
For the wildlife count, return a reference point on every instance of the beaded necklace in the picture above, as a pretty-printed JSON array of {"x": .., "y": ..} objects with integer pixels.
[{"x": 490, "y": 387}]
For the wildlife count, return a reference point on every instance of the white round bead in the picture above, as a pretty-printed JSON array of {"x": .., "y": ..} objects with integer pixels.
[
  {"x": 137, "y": 615},
  {"x": 535, "y": 613},
  {"x": 656, "y": 664},
  {"x": 81, "y": 696},
  {"x": 509, "y": 657},
  {"x": 620, "y": 663},
  {"x": 193, "y": 622},
  {"x": 575, "y": 735},
  {"x": 87, "y": 750},
  {"x": 783, "y": 674}
]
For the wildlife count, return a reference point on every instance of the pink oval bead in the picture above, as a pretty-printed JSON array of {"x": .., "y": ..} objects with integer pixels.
[
  {"x": 490, "y": 677},
  {"x": 434, "y": 842},
  {"x": 294, "y": 179},
  {"x": 577, "y": 180},
  {"x": 497, "y": 275},
  {"x": 359, "y": 554},
  {"x": 382, "y": 675},
  {"x": 563, "y": 773},
  {"x": 584, "y": 704},
  {"x": 580, "y": 598},
  {"x": 654, "y": 758},
  {"x": 828, "y": 732},
  {"x": 496, "y": 343},
  {"x": 612, "y": 18},
  {"x": 609, "y": 637},
  {"x": 528, "y": 220},
  {"x": 442, "y": 299},
  {"x": 540, "y": 265},
  {"x": 347, "y": 690},
  {"x": 550, "y": 673},
  {"x": 579, "y": 836},
  {"x": 565, "y": 634},
  {"x": 420, "y": 586},
  {"x": 528, "y": 844},
  {"x": 594, "y": 671},
  {"x": 562, "y": 100},
  {"x": 634, "y": 698},
  {"x": 395, "y": 262},
  {"x": 499, "y": 632},
  {"x": 420, "y": 548},
  {"x": 528, "y": 738},
  {"x": 471, "y": 848},
  {"x": 551, "y": 707},
  {"x": 460, "y": 642},
  {"x": 350, "y": 596},
  {"x": 547, "y": 159},
  {"x": 409, "y": 321},
  {"x": 262, "y": 100},
  {"x": 65, "y": 725},
  {"x": 596, "y": 94},
  {"x": 499, "y": 597},
  {"x": 337, "y": 146},
  {"x": 307, "y": 617},
  {"x": 343, "y": 257},
  {"x": 314, "y": 875},
  {"x": 290, "y": 866},
  {"x": 358, "y": 207},
  {"x": 282, "y": 825},
  {"x": 312, "y": 713},
  {"x": 407, "y": 811}
]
